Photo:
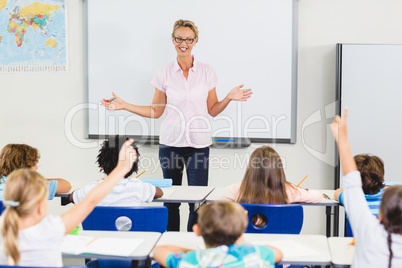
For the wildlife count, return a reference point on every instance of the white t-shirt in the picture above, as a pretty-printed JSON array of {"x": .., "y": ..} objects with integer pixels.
[
  {"x": 40, "y": 244},
  {"x": 127, "y": 192},
  {"x": 371, "y": 246}
]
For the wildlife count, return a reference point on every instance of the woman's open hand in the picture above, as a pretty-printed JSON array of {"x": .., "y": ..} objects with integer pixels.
[
  {"x": 240, "y": 94},
  {"x": 116, "y": 104}
]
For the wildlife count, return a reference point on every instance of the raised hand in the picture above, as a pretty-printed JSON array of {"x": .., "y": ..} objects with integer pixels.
[
  {"x": 338, "y": 127},
  {"x": 240, "y": 94},
  {"x": 116, "y": 104},
  {"x": 127, "y": 156}
]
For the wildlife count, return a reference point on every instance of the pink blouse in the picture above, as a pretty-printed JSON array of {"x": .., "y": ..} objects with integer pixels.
[
  {"x": 187, "y": 120},
  {"x": 294, "y": 194}
]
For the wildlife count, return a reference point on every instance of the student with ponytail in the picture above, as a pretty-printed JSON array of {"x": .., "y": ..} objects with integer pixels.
[
  {"x": 31, "y": 238},
  {"x": 378, "y": 241}
]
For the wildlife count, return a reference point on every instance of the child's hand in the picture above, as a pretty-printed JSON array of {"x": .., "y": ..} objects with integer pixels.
[
  {"x": 338, "y": 127},
  {"x": 127, "y": 156}
]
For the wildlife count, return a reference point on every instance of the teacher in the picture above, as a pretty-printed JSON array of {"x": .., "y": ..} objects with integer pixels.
[{"x": 186, "y": 90}]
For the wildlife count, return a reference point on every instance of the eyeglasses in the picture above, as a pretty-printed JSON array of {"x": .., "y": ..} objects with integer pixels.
[{"x": 180, "y": 40}]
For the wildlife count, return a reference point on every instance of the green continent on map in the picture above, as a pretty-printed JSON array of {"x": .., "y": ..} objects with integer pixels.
[{"x": 35, "y": 15}]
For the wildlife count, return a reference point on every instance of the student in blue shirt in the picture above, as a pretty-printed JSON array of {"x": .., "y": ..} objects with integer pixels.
[
  {"x": 371, "y": 168},
  {"x": 15, "y": 156},
  {"x": 221, "y": 224}
]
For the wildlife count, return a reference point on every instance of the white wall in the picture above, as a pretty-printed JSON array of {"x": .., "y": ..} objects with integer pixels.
[{"x": 34, "y": 106}]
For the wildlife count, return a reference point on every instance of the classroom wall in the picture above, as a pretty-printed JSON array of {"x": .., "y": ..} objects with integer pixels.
[{"x": 34, "y": 107}]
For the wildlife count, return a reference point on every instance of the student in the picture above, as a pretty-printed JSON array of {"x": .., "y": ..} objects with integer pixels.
[
  {"x": 29, "y": 237},
  {"x": 221, "y": 224},
  {"x": 371, "y": 169},
  {"x": 15, "y": 156},
  {"x": 265, "y": 183},
  {"x": 128, "y": 191},
  {"x": 378, "y": 241}
]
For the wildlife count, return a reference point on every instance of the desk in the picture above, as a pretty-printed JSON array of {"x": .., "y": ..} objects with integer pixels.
[
  {"x": 173, "y": 194},
  {"x": 219, "y": 194},
  {"x": 341, "y": 252},
  {"x": 317, "y": 243},
  {"x": 139, "y": 254},
  {"x": 185, "y": 194}
]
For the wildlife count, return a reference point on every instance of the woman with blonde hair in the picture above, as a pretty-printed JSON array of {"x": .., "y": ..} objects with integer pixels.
[{"x": 187, "y": 89}]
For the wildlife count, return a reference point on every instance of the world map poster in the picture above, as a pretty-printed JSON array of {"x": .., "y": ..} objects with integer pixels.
[{"x": 33, "y": 36}]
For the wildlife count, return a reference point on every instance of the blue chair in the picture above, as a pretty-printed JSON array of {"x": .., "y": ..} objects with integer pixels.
[
  {"x": 281, "y": 219},
  {"x": 2, "y": 207},
  {"x": 69, "y": 266},
  {"x": 142, "y": 219}
]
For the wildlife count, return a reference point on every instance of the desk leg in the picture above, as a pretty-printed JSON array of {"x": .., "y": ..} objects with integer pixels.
[
  {"x": 135, "y": 264},
  {"x": 328, "y": 213},
  {"x": 65, "y": 200}
]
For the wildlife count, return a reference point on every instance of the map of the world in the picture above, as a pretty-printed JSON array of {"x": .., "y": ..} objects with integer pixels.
[{"x": 33, "y": 36}]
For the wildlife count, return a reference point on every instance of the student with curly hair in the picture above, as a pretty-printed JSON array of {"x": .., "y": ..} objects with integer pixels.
[
  {"x": 30, "y": 237},
  {"x": 128, "y": 191},
  {"x": 16, "y": 156}
]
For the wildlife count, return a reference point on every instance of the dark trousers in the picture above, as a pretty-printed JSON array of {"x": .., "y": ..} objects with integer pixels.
[{"x": 173, "y": 160}]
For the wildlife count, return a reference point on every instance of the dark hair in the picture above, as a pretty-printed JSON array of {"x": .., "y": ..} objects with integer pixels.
[
  {"x": 109, "y": 155},
  {"x": 371, "y": 169},
  {"x": 391, "y": 214},
  {"x": 264, "y": 181}
]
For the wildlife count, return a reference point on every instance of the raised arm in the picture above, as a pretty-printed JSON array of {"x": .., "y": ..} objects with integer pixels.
[
  {"x": 154, "y": 111},
  {"x": 339, "y": 131},
  {"x": 79, "y": 212},
  {"x": 215, "y": 106},
  {"x": 63, "y": 186}
]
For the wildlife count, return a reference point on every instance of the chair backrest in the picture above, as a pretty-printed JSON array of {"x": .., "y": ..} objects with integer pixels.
[
  {"x": 281, "y": 219},
  {"x": 2, "y": 207},
  {"x": 142, "y": 219}
]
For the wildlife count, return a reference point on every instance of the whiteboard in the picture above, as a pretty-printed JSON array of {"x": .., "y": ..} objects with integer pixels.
[
  {"x": 370, "y": 83},
  {"x": 246, "y": 42}
]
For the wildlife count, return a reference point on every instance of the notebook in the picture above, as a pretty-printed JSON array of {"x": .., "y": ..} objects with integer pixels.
[
  {"x": 159, "y": 182},
  {"x": 78, "y": 244}
]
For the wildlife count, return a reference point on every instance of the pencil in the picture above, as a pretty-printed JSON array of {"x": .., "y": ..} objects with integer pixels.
[
  {"x": 302, "y": 181},
  {"x": 140, "y": 174},
  {"x": 91, "y": 241},
  {"x": 352, "y": 243}
]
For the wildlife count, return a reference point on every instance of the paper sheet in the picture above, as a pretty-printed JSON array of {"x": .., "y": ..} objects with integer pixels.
[
  {"x": 290, "y": 248},
  {"x": 76, "y": 244}
]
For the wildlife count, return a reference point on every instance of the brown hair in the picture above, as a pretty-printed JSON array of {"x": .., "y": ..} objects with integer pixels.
[
  {"x": 264, "y": 181},
  {"x": 222, "y": 223},
  {"x": 28, "y": 188},
  {"x": 185, "y": 23},
  {"x": 371, "y": 169},
  {"x": 391, "y": 214},
  {"x": 15, "y": 156}
]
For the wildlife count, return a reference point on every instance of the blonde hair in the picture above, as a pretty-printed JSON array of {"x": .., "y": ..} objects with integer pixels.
[
  {"x": 15, "y": 156},
  {"x": 27, "y": 189},
  {"x": 264, "y": 181},
  {"x": 222, "y": 223},
  {"x": 185, "y": 23}
]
